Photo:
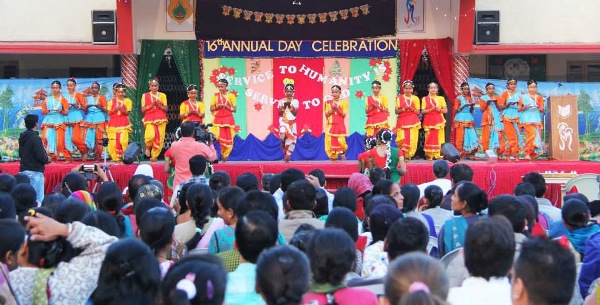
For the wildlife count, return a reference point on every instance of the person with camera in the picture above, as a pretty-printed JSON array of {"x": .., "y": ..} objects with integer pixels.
[
  {"x": 154, "y": 109},
  {"x": 95, "y": 121},
  {"x": 186, "y": 148},
  {"x": 288, "y": 109},
  {"x": 222, "y": 107},
  {"x": 33, "y": 156},
  {"x": 192, "y": 110}
]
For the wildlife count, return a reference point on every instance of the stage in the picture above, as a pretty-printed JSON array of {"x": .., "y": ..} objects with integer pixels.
[{"x": 498, "y": 178}]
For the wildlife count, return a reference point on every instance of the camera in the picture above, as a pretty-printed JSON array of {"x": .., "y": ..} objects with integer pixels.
[
  {"x": 88, "y": 170},
  {"x": 201, "y": 133}
]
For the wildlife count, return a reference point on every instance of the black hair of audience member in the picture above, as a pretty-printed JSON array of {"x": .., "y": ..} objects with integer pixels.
[
  {"x": 538, "y": 182},
  {"x": 129, "y": 275},
  {"x": 345, "y": 197},
  {"x": 187, "y": 129},
  {"x": 383, "y": 187},
  {"x": 594, "y": 207},
  {"x": 229, "y": 197},
  {"x": 12, "y": 235},
  {"x": 255, "y": 232},
  {"x": 135, "y": 182},
  {"x": 530, "y": 214},
  {"x": 321, "y": 207},
  {"x": 532, "y": 202},
  {"x": 209, "y": 279},
  {"x": 411, "y": 194},
  {"x": 377, "y": 174},
  {"x": 289, "y": 176},
  {"x": 197, "y": 165},
  {"x": 331, "y": 253},
  {"x": 200, "y": 201},
  {"x": 282, "y": 275},
  {"x": 305, "y": 227},
  {"x": 219, "y": 180},
  {"x": 440, "y": 169},
  {"x": 511, "y": 208},
  {"x": 301, "y": 195},
  {"x": 53, "y": 201},
  {"x": 546, "y": 270},
  {"x": 266, "y": 178},
  {"x": 7, "y": 207},
  {"x": 274, "y": 183},
  {"x": 7, "y": 183},
  {"x": 344, "y": 219},
  {"x": 181, "y": 196},
  {"x": 524, "y": 188},
  {"x": 110, "y": 199},
  {"x": 22, "y": 178},
  {"x": 434, "y": 196},
  {"x": 301, "y": 239},
  {"x": 371, "y": 202},
  {"x": 461, "y": 172},
  {"x": 415, "y": 267},
  {"x": 103, "y": 221},
  {"x": 72, "y": 209},
  {"x": 406, "y": 235},
  {"x": 143, "y": 206},
  {"x": 381, "y": 219},
  {"x": 73, "y": 182},
  {"x": 257, "y": 201},
  {"x": 24, "y": 198},
  {"x": 575, "y": 214},
  {"x": 156, "y": 228},
  {"x": 320, "y": 176},
  {"x": 489, "y": 247},
  {"x": 247, "y": 182},
  {"x": 578, "y": 196},
  {"x": 476, "y": 198},
  {"x": 48, "y": 254}
]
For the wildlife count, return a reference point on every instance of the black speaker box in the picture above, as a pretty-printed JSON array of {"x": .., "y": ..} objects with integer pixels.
[
  {"x": 104, "y": 27},
  {"x": 487, "y": 27}
]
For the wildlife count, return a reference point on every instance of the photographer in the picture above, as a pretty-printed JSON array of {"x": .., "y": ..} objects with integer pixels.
[
  {"x": 33, "y": 156},
  {"x": 187, "y": 147}
]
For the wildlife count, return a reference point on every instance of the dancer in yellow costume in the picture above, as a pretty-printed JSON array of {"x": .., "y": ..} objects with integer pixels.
[
  {"x": 222, "y": 107},
  {"x": 408, "y": 123},
  {"x": 434, "y": 109},
  {"x": 154, "y": 109},
  {"x": 192, "y": 110},
  {"x": 376, "y": 108},
  {"x": 118, "y": 127}
]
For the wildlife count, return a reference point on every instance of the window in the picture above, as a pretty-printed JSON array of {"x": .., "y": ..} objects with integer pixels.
[
  {"x": 583, "y": 71},
  {"x": 9, "y": 69}
]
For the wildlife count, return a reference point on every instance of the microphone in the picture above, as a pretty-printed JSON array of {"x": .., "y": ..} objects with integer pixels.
[{"x": 559, "y": 85}]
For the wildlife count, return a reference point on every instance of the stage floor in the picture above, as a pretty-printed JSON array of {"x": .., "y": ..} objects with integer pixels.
[{"x": 497, "y": 178}]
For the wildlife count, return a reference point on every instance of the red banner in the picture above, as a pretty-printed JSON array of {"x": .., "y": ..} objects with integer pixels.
[{"x": 305, "y": 73}]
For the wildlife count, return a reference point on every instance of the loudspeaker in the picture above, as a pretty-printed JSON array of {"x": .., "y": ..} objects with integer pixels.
[
  {"x": 450, "y": 153},
  {"x": 131, "y": 153},
  {"x": 487, "y": 27},
  {"x": 104, "y": 27}
]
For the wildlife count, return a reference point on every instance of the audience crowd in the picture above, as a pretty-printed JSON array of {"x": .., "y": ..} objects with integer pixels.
[{"x": 284, "y": 239}]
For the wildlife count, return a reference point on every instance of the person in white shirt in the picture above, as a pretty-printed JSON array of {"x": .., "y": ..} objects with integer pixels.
[
  {"x": 489, "y": 252},
  {"x": 440, "y": 171},
  {"x": 545, "y": 206}
]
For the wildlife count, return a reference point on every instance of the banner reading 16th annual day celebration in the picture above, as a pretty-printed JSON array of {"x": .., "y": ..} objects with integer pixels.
[{"x": 256, "y": 70}]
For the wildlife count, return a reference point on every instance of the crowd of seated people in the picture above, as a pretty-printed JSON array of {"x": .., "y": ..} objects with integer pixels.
[{"x": 284, "y": 240}]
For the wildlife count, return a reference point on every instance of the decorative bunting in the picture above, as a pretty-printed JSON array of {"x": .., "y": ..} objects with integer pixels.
[{"x": 291, "y": 19}]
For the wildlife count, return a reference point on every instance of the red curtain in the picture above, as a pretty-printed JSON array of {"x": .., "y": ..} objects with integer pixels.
[
  {"x": 304, "y": 73},
  {"x": 440, "y": 56},
  {"x": 410, "y": 56}
]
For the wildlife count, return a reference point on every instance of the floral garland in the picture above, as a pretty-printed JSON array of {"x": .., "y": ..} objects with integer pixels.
[{"x": 290, "y": 19}]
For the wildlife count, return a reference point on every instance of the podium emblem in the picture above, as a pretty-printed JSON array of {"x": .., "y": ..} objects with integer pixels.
[{"x": 564, "y": 111}]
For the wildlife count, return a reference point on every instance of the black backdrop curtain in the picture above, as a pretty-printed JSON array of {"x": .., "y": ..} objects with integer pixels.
[{"x": 294, "y": 19}]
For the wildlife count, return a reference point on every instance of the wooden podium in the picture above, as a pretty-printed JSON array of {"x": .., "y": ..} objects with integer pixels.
[{"x": 563, "y": 128}]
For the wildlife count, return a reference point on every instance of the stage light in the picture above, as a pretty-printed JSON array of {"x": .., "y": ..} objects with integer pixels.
[{"x": 450, "y": 153}]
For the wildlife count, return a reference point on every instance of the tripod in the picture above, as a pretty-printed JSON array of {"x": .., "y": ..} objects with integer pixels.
[{"x": 105, "y": 166}]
